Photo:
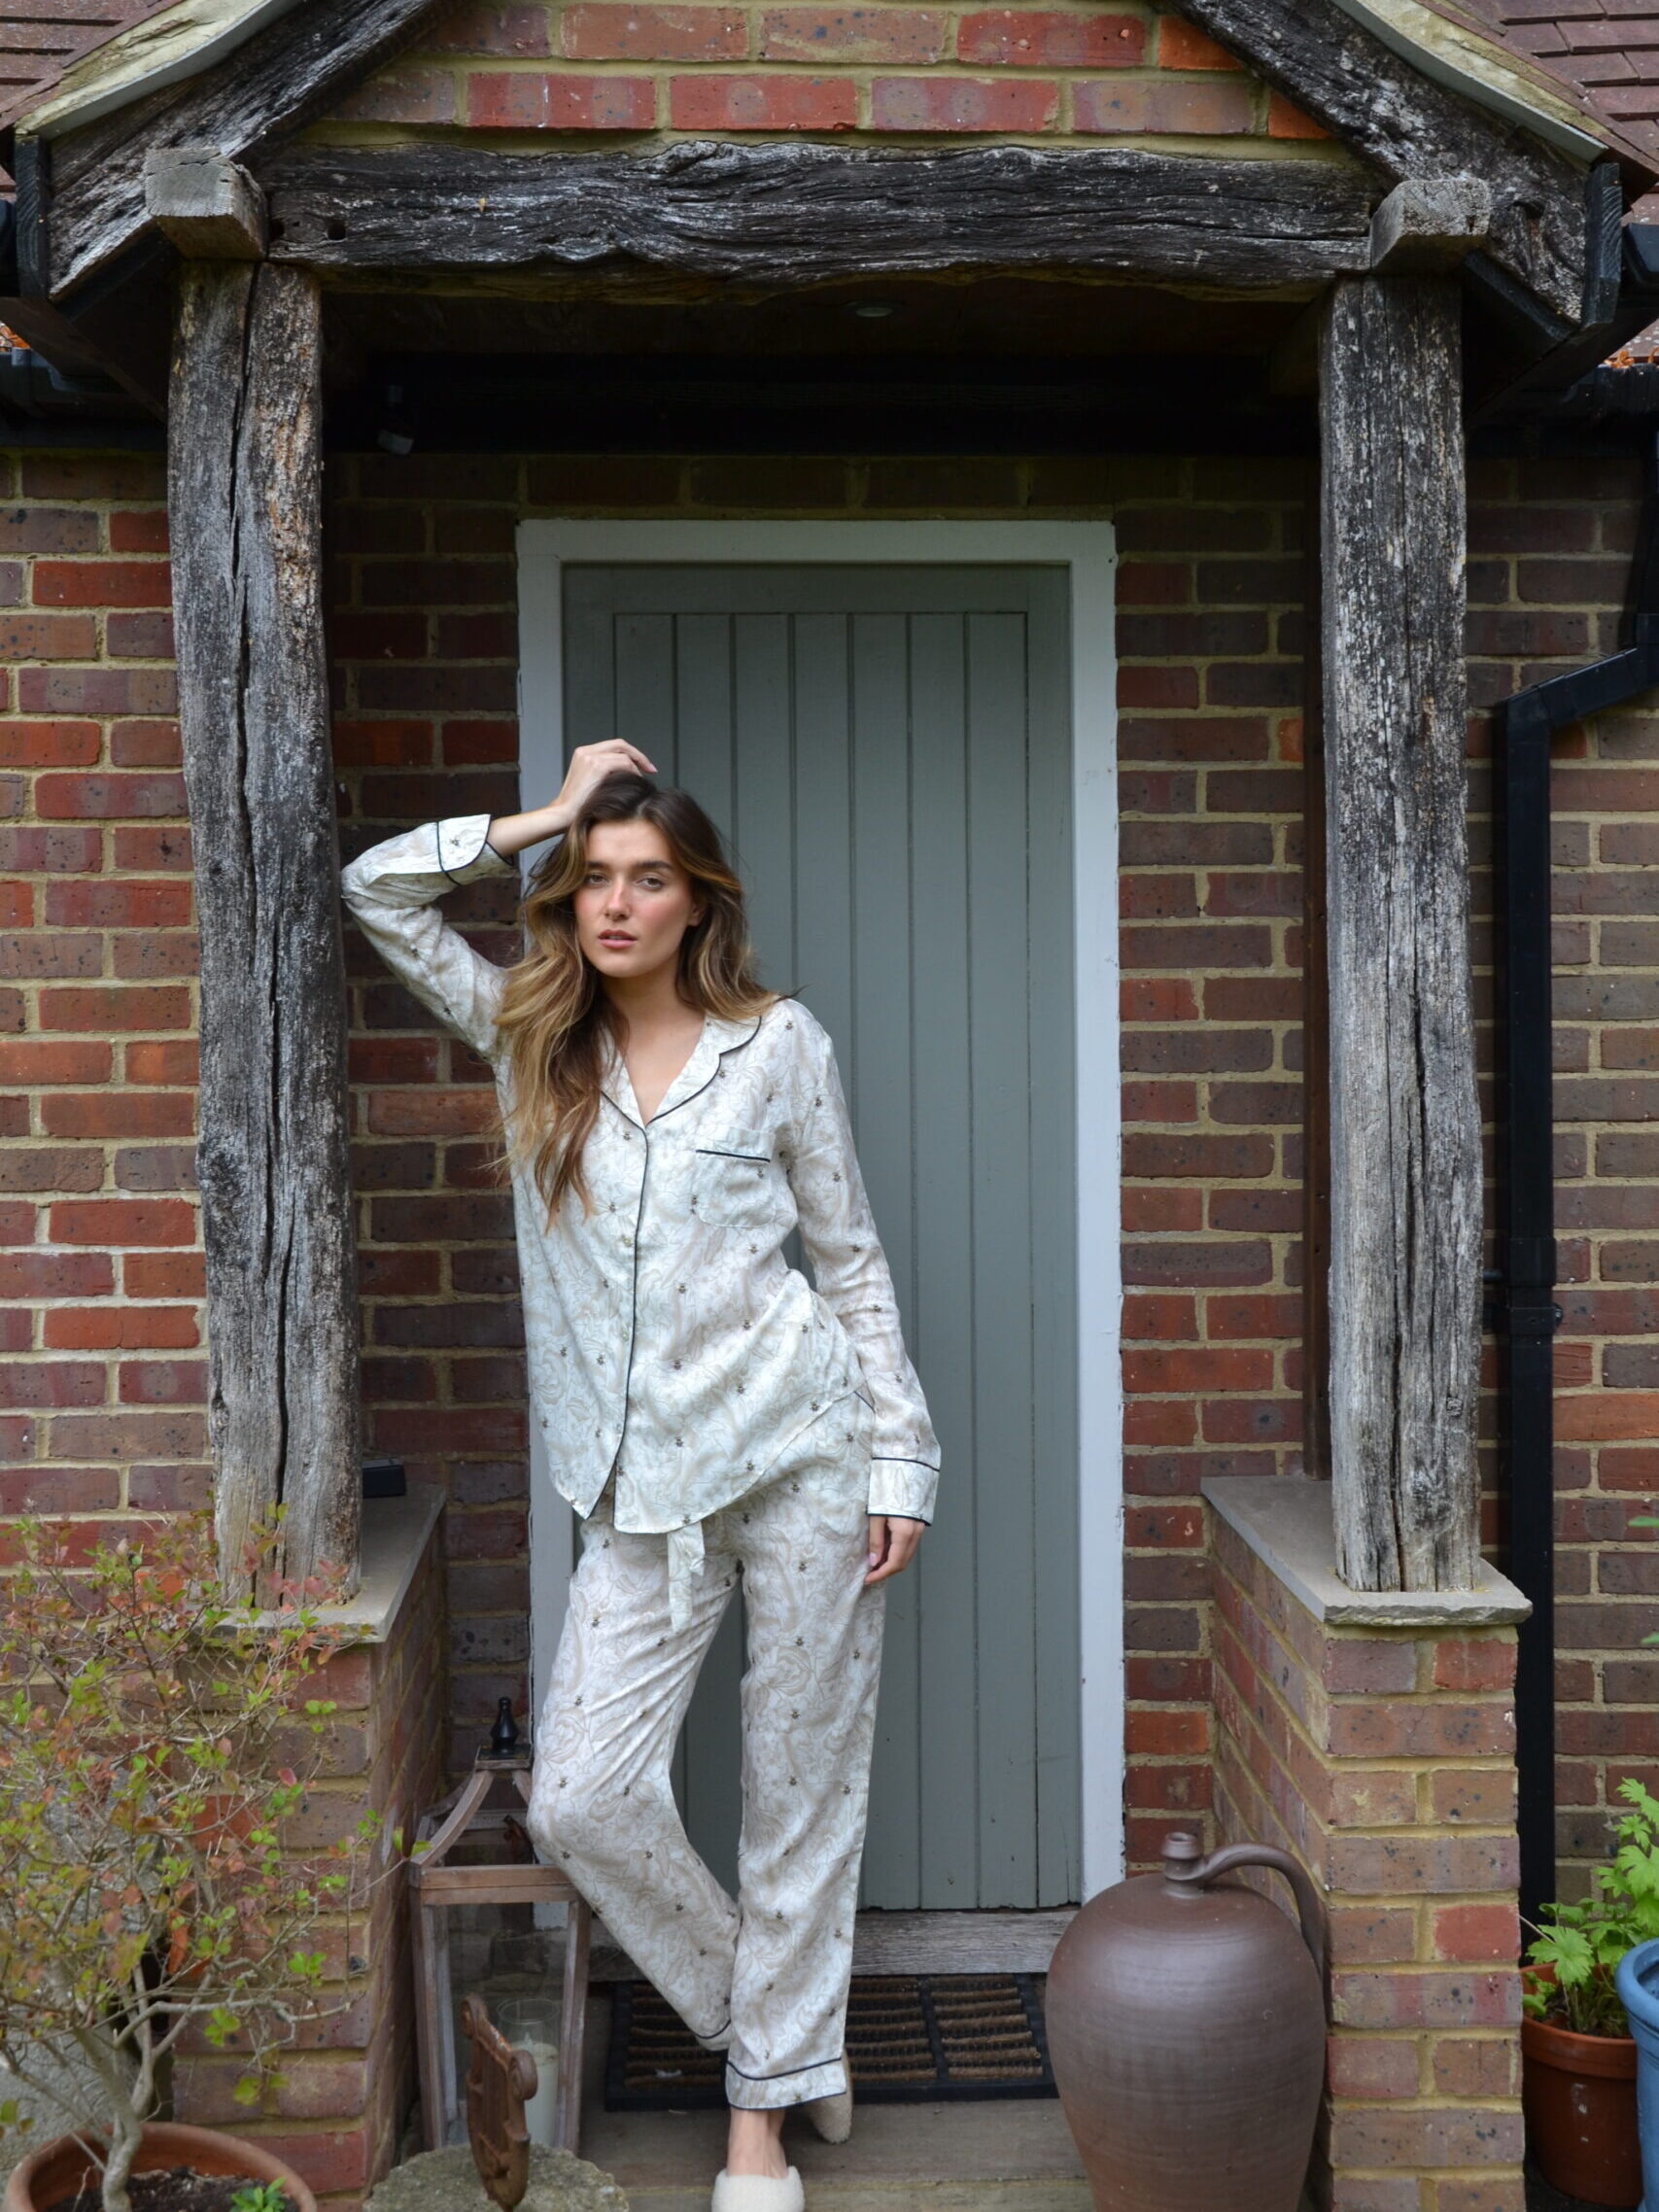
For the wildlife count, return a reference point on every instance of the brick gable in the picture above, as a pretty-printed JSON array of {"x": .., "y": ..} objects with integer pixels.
[{"x": 884, "y": 69}]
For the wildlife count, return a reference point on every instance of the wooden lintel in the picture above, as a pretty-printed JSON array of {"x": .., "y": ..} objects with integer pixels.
[
  {"x": 1399, "y": 118},
  {"x": 274, "y": 1155},
  {"x": 1406, "y": 1159},
  {"x": 800, "y": 214},
  {"x": 207, "y": 204},
  {"x": 1431, "y": 224}
]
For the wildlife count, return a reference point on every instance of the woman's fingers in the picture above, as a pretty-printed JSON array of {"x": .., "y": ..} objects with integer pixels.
[
  {"x": 892, "y": 1546},
  {"x": 589, "y": 767}
]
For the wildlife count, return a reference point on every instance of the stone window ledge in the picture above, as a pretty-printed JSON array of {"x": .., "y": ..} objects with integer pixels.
[
  {"x": 1284, "y": 1520},
  {"x": 396, "y": 1532}
]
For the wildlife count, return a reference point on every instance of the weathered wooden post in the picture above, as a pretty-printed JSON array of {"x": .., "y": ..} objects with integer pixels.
[
  {"x": 244, "y": 458},
  {"x": 1406, "y": 1166}
]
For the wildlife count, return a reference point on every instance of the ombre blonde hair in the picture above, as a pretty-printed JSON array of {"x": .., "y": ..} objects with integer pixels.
[{"x": 556, "y": 1018}]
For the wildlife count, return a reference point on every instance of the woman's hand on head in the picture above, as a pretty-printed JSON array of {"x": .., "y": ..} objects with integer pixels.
[
  {"x": 589, "y": 767},
  {"x": 893, "y": 1543}
]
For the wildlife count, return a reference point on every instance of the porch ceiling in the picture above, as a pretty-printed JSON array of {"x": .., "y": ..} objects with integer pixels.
[{"x": 1003, "y": 363}]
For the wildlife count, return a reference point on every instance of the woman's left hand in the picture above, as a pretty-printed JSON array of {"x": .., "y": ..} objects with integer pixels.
[{"x": 893, "y": 1543}]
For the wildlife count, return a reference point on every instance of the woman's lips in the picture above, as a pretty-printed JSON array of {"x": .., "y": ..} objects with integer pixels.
[{"x": 609, "y": 937}]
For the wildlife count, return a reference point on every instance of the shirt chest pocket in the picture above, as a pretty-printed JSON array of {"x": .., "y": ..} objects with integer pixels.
[{"x": 738, "y": 1186}]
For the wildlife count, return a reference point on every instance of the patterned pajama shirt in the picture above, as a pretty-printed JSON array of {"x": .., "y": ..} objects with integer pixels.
[
  {"x": 708, "y": 1412},
  {"x": 764, "y": 1978}
]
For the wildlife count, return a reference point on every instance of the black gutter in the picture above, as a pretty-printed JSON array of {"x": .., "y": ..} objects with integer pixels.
[{"x": 1528, "y": 1315}]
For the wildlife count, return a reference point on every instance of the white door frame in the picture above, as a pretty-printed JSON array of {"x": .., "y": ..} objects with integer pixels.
[{"x": 1087, "y": 552}]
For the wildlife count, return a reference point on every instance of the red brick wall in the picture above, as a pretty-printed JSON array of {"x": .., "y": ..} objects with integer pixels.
[
  {"x": 1074, "y": 71},
  {"x": 338, "y": 2112},
  {"x": 1384, "y": 1761},
  {"x": 102, "y": 1367},
  {"x": 1550, "y": 541}
]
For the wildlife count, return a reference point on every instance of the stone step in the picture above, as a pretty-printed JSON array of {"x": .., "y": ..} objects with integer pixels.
[{"x": 912, "y": 2195}]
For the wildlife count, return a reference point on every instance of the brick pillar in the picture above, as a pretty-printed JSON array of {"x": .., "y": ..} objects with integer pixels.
[
  {"x": 1372, "y": 1735},
  {"x": 350, "y": 2079}
]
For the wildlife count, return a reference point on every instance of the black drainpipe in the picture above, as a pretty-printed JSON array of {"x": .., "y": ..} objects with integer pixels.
[{"x": 1527, "y": 1312}]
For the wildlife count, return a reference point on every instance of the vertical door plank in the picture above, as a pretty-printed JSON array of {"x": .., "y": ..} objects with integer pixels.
[
  {"x": 823, "y": 824},
  {"x": 1053, "y": 1088},
  {"x": 942, "y": 1340},
  {"x": 765, "y": 819},
  {"x": 590, "y": 662},
  {"x": 702, "y": 712},
  {"x": 644, "y": 683},
  {"x": 881, "y": 1077},
  {"x": 1002, "y": 1258}
]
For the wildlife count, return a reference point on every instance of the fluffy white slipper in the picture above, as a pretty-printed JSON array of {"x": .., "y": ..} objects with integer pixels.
[
  {"x": 757, "y": 2192},
  {"x": 831, "y": 2116}
]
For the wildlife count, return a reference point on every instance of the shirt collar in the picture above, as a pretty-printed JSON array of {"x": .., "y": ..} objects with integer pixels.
[{"x": 718, "y": 1037}]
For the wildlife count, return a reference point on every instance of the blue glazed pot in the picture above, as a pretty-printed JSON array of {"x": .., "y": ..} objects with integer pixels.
[{"x": 1639, "y": 1994}]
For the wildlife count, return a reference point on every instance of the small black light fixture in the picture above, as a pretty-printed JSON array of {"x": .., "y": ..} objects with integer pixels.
[
  {"x": 396, "y": 432},
  {"x": 874, "y": 310},
  {"x": 384, "y": 1478}
]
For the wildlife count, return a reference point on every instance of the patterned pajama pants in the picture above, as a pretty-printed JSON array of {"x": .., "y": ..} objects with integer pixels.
[{"x": 764, "y": 1979}]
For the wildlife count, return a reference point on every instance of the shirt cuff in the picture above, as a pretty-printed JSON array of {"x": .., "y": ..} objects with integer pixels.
[
  {"x": 905, "y": 1488},
  {"x": 463, "y": 849}
]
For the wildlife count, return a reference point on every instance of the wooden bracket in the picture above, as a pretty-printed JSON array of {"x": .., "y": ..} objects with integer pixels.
[
  {"x": 1428, "y": 225},
  {"x": 208, "y": 206}
]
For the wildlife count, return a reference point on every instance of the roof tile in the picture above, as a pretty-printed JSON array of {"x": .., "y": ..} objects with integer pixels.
[{"x": 40, "y": 38}]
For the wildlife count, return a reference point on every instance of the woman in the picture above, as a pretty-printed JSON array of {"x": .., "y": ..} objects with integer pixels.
[{"x": 706, "y": 1412}]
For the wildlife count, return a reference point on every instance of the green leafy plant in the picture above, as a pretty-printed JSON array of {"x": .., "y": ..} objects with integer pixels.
[
  {"x": 259, "y": 2196},
  {"x": 1573, "y": 1963},
  {"x": 156, "y": 1741}
]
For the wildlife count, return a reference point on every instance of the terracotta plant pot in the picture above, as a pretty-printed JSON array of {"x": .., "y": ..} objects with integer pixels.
[
  {"x": 1579, "y": 2095},
  {"x": 59, "y": 2167}
]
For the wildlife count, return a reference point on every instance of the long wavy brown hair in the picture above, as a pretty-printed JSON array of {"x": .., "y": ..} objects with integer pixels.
[{"x": 556, "y": 1018}]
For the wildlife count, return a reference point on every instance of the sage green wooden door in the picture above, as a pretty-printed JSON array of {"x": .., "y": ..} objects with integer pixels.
[{"x": 887, "y": 747}]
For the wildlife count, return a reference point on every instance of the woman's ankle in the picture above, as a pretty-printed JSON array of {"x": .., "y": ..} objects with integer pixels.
[{"x": 754, "y": 2144}]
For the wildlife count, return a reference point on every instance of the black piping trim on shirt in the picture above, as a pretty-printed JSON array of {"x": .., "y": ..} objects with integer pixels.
[
  {"x": 633, "y": 1300},
  {"x": 789, "y": 2072},
  {"x": 662, "y": 1113},
  {"x": 898, "y": 1458},
  {"x": 714, "y": 1151},
  {"x": 437, "y": 840}
]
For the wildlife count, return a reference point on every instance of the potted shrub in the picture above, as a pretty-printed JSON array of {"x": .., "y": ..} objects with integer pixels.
[
  {"x": 149, "y": 1735},
  {"x": 1578, "y": 2058}
]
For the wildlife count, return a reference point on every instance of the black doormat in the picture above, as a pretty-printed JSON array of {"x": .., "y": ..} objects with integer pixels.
[{"x": 911, "y": 2039}]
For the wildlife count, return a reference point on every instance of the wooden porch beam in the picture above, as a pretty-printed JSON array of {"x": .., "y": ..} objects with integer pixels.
[
  {"x": 90, "y": 180},
  {"x": 783, "y": 213},
  {"x": 208, "y": 206},
  {"x": 1405, "y": 1162},
  {"x": 1394, "y": 116},
  {"x": 244, "y": 453}
]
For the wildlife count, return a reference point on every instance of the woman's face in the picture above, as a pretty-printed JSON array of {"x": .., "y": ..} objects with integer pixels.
[{"x": 634, "y": 903}]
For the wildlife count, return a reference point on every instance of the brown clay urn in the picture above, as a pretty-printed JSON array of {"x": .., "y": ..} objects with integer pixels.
[{"x": 1185, "y": 2020}]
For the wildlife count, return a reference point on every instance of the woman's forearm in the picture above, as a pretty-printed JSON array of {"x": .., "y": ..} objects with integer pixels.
[{"x": 510, "y": 834}]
